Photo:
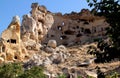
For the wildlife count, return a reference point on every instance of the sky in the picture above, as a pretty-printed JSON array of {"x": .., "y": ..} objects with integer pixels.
[{"x": 10, "y": 8}]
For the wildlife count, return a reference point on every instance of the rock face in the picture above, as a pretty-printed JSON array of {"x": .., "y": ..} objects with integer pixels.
[
  {"x": 42, "y": 35},
  {"x": 52, "y": 43},
  {"x": 66, "y": 29},
  {"x": 37, "y": 24},
  {"x": 10, "y": 43}
]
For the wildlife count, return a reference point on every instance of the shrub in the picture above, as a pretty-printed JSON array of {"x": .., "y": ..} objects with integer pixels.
[
  {"x": 34, "y": 72},
  {"x": 16, "y": 70},
  {"x": 11, "y": 70}
]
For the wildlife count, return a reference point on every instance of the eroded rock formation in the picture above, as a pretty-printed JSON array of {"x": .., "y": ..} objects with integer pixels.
[
  {"x": 11, "y": 46},
  {"x": 66, "y": 29},
  {"x": 42, "y": 34}
]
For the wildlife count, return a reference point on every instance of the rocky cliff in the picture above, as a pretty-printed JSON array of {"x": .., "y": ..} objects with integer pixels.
[{"x": 41, "y": 37}]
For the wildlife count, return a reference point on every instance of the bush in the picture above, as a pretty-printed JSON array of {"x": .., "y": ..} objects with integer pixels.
[
  {"x": 11, "y": 70},
  {"x": 62, "y": 76},
  {"x": 16, "y": 70},
  {"x": 34, "y": 72}
]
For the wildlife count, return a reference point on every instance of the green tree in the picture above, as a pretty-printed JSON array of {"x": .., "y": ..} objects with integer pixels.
[{"x": 111, "y": 10}]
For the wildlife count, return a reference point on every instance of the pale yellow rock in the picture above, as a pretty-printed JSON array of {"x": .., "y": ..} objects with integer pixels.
[
  {"x": 1, "y": 60},
  {"x": 52, "y": 43}
]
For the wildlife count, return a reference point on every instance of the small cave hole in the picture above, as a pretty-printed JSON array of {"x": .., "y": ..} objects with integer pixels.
[
  {"x": 8, "y": 40},
  {"x": 63, "y": 37},
  {"x": 77, "y": 27},
  {"x": 69, "y": 32},
  {"x": 39, "y": 33},
  {"x": 82, "y": 29},
  {"x": 52, "y": 36},
  {"x": 59, "y": 28},
  {"x": 15, "y": 57},
  {"x": 82, "y": 20},
  {"x": 79, "y": 35},
  {"x": 87, "y": 31},
  {"x": 13, "y": 41},
  {"x": 86, "y": 22}
]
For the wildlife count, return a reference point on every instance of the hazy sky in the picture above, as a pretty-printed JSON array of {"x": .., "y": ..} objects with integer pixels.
[{"x": 10, "y": 8}]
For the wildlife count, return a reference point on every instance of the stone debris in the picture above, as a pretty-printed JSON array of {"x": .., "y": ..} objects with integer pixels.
[{"x": 91, "y": 74}]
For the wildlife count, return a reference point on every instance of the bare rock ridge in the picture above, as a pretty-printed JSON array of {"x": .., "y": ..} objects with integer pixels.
[
  {"x": 40, "y": 38},
  {"x": 67, "y": 29}
]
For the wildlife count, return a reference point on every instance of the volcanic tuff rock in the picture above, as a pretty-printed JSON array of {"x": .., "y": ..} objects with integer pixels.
[
  {"x": 11, "y": 46},
  {"x": 42, "y": 26},
  {"x": 41, "y": 37}
]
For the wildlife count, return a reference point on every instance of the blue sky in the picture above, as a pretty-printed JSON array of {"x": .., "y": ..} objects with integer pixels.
[{"x": 10, "y": 8}]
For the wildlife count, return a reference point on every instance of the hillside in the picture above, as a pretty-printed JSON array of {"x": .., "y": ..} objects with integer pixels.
[{"x": 55, "y": 41}]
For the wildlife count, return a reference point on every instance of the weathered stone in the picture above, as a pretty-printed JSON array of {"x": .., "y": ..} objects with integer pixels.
[
  {"x": 47, "y": 61},
  {"x": 49, "y": 49},
  {"x": 91, "y": 74},
  {"x": 1, "y": 60},
  {"x": 52, "y": 43}
]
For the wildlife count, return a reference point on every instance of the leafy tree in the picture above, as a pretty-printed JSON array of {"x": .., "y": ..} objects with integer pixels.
[{"x": 111, "y": 10}]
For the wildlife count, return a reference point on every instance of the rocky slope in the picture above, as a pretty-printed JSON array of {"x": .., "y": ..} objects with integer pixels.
[{"x": 55, "y": 41}]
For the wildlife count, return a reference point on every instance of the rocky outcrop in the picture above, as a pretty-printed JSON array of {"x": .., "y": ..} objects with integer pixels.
[
  {"x": 11, "y": 46},
  {"x": 37, "y": 24},
  {"x": 67, "y": 29},
  {"x": 42, "y": 37}
]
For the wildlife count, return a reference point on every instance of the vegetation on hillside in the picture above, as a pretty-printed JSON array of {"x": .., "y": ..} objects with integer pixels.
[
  {"x": 16, "y": 70},
  {"x": 107, "y": 50}
]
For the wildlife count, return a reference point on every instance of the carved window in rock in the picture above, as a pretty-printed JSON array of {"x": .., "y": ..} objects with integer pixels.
[
  {"x": 77, "y": 27},
  {"x": 94, "y": 29},
  {"x": 86, "y": 23},
  {"x": 15, "y": 57},
  {"x": 59, "y": 28},
  {"x": 82, "y": 29},
  {"x": 79, "y": 35},
  {"x": 52, "y": 36},
  {"x": 82, "y": 20},
  {"x": 12, "y": 41},
  {"x": 63, "y": 37},
  {"x": 39, "y": 20},
  {"x": 69, "y": 32},
  {"x": 39, "y": 33},
  {"x": 87, "y": 31}
]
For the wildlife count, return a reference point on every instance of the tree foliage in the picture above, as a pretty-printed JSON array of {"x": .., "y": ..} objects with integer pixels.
[{"x": 111, "y": 10}]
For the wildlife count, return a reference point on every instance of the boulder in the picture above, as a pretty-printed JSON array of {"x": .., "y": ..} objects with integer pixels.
[
  {"x": 91, "y": 74},
  {"x": 49, "y": 50},
  {"x": 52, "y": 43}
]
